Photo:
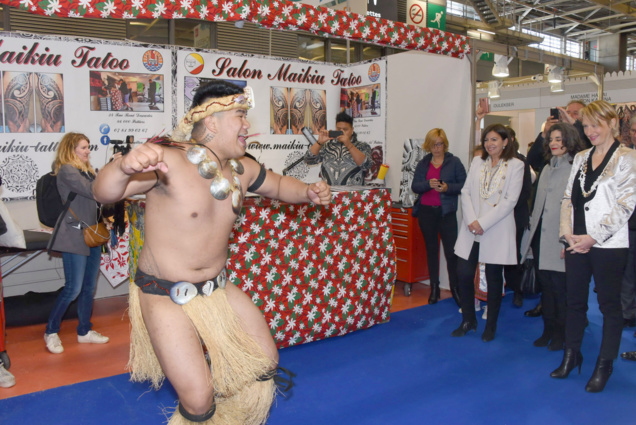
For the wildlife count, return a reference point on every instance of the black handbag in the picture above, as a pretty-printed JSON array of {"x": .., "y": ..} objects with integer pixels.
[{"x": 529, "y": 283}]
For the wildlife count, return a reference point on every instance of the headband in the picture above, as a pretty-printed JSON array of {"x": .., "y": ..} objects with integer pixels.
[{"x": 243, "y": 100}]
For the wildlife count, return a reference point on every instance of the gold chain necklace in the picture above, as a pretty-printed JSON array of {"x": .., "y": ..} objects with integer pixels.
[{"x": 209, "y": 169}]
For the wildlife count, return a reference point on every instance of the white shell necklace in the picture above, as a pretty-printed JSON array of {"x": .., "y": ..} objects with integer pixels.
[
  {"x": 583, "y": 174},
  {"x": 490, "y": 178},
  {"x": 209, "y": 169}
]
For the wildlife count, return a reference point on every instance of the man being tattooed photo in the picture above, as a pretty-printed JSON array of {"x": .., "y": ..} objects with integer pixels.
[
  {"x": 50, "y": 95},
  {"x": 18, "y": 94}
]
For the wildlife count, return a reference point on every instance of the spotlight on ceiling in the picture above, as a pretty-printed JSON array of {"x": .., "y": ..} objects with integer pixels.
[
  {"x": 493, "y": 89},
  {"x": 557, "y": 87},
  {"x": 555, "y": 75},
  {"x": 500, "y": 69}
]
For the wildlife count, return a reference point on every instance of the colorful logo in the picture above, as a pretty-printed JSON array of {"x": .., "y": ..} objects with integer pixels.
[
  {"x": 152, "y": 60},
  {"x": 194, "y": 63},
  {"x": 374, "y": 72}
]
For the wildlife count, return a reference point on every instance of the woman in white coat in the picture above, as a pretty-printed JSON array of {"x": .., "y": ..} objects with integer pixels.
[{"x": 487, "y": 233}]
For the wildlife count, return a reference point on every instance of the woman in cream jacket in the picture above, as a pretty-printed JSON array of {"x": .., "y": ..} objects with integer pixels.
[{"x": 487, "y": 233}]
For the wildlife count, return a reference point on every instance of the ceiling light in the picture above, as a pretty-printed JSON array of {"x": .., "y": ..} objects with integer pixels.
[
  {"x": 555, "y": 75},
  {"x": 493, "y": 89},
  {"x": 557, "y": 87},
  {"x": 501, "y": 66},
  {"x": 487, "y": 32}
]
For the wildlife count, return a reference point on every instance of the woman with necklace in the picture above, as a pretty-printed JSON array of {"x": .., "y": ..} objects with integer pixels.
[
  {"x": 487, "y": 232},
  {"x": 598, "y": 201},
  {"x": 438, "y": 179},
  {"x": 563, "y": 143}
]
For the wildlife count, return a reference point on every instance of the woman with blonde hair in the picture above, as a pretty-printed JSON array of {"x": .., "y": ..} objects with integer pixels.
[
  {"x": 598, "y": 201},
  {"x": 75, "y": 177},
  {"x": 438, "y": 180}
]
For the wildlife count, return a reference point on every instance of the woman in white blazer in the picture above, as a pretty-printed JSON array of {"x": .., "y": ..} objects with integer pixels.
[
  {"x": 596, "y": 206},
  {"x": 487, "y": 233}
]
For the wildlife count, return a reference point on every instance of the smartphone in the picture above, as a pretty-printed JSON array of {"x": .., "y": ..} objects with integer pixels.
[
  {"x": 554, "y": 113},
  {"x": 335, "y": 133},
  {"x": 485, "y": 105}
]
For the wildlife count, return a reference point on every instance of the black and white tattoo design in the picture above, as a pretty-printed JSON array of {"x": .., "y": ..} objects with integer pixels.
[{"x": 298, "y": 109}]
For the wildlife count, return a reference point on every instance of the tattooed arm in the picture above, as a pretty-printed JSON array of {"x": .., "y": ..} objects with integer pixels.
[
  {"x": 51, "y": 97},
  {"x": 297, "y": 110},
  {"x": 318, "y": 109},
  {"x": 280, "y": 110},
  {"x": 18, "y": 89}
]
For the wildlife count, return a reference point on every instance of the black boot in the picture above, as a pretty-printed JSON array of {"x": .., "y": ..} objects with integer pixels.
[
  {"x": 571, "y": 359},
  {"x": 546, "y": 336},
  {"x": 434, "y": 297},
  {"x": 558, "y": 338},
  {"x": 602, "y": 372},
  {"x": 489, "y": 333},
  {"x": 455, "y": 293},
  {"x": 535, "y": 312},
  {"x": 464, "y": 328},
  {"x": 517, "y": 299}
]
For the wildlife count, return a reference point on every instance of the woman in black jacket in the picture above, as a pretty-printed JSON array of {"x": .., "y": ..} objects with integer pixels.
[
  {"x": 81, "y": 263},
  {"x": 439, "y": 178}
]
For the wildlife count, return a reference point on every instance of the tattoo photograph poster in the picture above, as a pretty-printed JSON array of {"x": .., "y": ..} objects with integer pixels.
[
  {"x": 290, "y": 94},
  {"x": 625, "y": 113},
  {"x": 52, "y": 85}
]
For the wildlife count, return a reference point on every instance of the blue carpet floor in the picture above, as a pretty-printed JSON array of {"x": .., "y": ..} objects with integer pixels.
[{"x": 408, "y": 371}]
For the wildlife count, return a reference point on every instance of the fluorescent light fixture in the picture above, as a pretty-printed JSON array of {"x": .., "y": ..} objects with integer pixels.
[
  {"x": 555, "y": 75},
  {"x": 557, "y": 87},
  {"x": 493, "y": 89},
  {"x": 501, "y": 66},
  {"x": 487, "y": 32}
]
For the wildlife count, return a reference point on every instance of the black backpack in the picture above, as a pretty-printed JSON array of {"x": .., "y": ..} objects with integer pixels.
[{"x": 48, "y": 200}]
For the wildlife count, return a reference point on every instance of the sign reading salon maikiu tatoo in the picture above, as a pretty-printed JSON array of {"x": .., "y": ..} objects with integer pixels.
[
  {"x": 53, "y": 85},
  {"x": 291, "y": 95}
]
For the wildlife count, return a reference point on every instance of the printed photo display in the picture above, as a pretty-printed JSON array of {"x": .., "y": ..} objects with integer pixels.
[
  {"x": 361, "y": 101},
  {"x": 116, "y": 91},
  {"x": 33, "y": 102},
  {"x": 291, "y": 109}
]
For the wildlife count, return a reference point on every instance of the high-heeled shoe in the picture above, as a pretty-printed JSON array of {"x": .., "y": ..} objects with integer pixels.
[
  {"x": 571, "y": 359},
  {"x": 434, "y": 296},
  {"x": 602, "y": 372},
  {"x": 464, "y": 328}
]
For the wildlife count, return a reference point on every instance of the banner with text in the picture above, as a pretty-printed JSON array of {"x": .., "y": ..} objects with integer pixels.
[
  {"x": 54, "y": 85},
  {"x": 292, "y": 95}
]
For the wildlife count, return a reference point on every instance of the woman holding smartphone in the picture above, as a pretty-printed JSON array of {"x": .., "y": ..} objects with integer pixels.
[{"x": 438, "y": 180}]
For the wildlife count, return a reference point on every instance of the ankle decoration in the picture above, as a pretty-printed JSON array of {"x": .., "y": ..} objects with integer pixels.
[
  {"x": 284, "y": 384},
  {"x": 197, "y": 418}
]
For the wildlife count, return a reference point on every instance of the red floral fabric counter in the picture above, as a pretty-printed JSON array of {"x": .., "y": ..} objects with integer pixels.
[{"x": 314, "y": 271}]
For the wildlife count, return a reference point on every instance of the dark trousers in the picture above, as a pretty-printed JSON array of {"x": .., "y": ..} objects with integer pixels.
[
  {"x": 514, "y": 272},
  {"x": 628, "y": 288},
  {"x": 466, "y": 279},
  {"x": 433, "y": 223},
  {"x": 552, "y": 285},
  {"x": 607, "y": 267}
]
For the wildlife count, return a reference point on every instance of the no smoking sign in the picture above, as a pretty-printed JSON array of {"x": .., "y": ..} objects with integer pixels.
[{"x": 416, "y": 13}]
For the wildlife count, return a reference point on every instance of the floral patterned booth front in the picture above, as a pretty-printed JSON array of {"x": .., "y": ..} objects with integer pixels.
[{"x": 315, "y": 272}]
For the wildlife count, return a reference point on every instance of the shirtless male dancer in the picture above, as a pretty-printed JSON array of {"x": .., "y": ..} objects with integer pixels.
[{"x": 187, "y": 230}]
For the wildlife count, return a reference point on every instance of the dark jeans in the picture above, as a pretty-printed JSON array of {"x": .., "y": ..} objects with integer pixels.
[
  {"x": 607, "y": 266},
  {"x": 433, "y": 223},
  {"x": 466, "y": 278},
  {"x": 80, "y": 272},
  {"x": 628, "y": 288}
]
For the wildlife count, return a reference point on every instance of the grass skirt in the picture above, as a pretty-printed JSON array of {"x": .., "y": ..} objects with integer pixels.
[{"x": 237, "y": 361}]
